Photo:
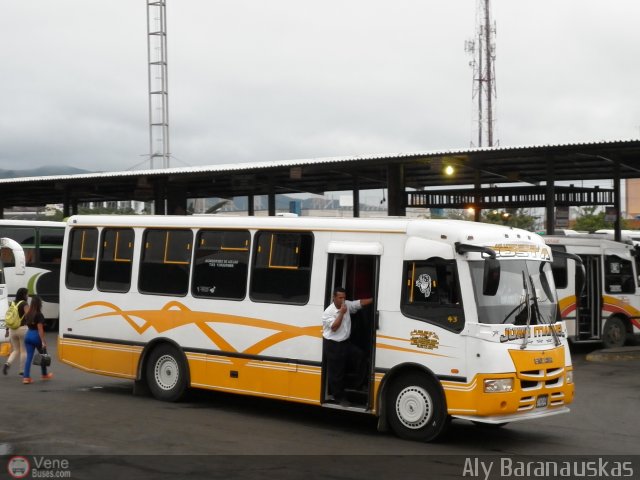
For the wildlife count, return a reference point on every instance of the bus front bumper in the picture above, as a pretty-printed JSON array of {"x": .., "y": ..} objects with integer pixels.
[{"x": 499, "y": 419}]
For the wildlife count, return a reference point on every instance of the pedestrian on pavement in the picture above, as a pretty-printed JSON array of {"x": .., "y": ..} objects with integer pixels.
[
  {"x": 17, "y": 335},
  {"x": 35, "y": 339}
]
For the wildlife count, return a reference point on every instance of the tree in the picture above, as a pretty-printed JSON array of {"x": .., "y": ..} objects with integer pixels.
[
  {"x": 511, "y": 217},
  {"x": 590, "y": 220},
  {"x": 106, "y": 211}
]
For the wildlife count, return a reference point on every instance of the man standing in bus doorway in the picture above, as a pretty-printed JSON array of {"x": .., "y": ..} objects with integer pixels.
[{"x": 338, "y": 350}]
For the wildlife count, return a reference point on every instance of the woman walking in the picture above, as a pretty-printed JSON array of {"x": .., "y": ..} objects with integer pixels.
[
  {"x": 35, "y": 338},
  {"x": 17, "y": 335}
]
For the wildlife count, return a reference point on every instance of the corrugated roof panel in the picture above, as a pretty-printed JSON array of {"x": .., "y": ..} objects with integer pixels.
[{"x": 301, "y": 162}]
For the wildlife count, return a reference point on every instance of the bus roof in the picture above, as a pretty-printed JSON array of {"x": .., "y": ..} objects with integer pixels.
[
  {"x": 30, "y": 223},
  {"x": 436, "y": 229},
  {"x": 589, "y": 240}
]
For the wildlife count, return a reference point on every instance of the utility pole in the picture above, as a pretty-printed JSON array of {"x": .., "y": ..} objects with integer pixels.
[
  {"x": 158, "y": 83},
  {"x": 483, "y": 51}
]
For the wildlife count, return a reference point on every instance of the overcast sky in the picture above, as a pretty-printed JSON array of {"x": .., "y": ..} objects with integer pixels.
[{"x": 257, "y": 80}]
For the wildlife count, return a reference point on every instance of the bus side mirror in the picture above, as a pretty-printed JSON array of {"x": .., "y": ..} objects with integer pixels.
[
  {"x": 580, "y": 278},
  {"x": 491, "y": 277}
]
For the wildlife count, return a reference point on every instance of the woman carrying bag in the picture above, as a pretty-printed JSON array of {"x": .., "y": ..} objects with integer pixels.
[
  {"x": 35, "y": 339},
  {"x": 17, "y": 335}
]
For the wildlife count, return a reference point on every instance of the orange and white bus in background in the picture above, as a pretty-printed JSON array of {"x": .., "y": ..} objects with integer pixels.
[
  {"x": 608, "y": 310},
  {"x": 463, "y": 322}
]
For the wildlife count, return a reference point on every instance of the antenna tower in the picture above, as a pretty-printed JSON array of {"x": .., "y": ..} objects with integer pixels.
[
  {"x": 158, "y": 83},
  {"x": 483, "y": 51}
]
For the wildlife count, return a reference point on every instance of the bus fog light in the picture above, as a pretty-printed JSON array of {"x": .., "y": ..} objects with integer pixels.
[
  {"x": 496, "y": 385},
  {"x": 569, "y": 376}
]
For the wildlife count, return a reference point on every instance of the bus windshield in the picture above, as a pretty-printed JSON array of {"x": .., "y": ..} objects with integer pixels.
[{"x": 526, "y": 294}]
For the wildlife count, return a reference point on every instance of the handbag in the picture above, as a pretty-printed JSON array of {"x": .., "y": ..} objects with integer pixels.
[{"x": 43, "y": 359}]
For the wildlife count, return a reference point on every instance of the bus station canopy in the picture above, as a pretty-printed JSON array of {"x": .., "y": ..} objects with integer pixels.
[{"x": 537, "y": 166}]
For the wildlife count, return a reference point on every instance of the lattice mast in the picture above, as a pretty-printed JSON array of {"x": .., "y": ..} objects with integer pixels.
[
  {"x": 158, "y": 84},
  {"x": 483, "y": 51}
]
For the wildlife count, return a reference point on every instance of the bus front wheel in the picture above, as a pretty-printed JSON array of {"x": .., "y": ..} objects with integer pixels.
[
  {"x": 614, "y": 334},
  {"x": 416, "y": 408},
  {"x": 166, "y": 374}
]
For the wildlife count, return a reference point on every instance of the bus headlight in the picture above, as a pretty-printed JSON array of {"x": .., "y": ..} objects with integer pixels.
[
  {"x": 569, "y": 376},
  {"x": 496, "y": 385}
]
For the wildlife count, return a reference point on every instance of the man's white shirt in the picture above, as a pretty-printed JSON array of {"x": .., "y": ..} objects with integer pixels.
[{"x": 329, "y": 316}]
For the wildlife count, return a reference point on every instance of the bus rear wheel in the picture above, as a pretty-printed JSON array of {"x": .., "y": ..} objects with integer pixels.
[
  {"x": 166, "y": 374},
  {"x": 416, "y": 408}
]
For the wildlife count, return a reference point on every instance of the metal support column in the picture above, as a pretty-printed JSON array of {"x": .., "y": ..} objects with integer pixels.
[
  {"x": 616, "y": 200},
  {"x": 159, "y": 198},
  {"x": 251, "y": 207},
  {"x": 176, "y": 201},
  {"x": 272, "y": 204},
  {"x": 477, "y": 186},
  {"x": 66, "y": 204},
  {"x": 356, "y": 197},
  {"x": 395, "y": 187},
  {"x": 550, "y": 196}
]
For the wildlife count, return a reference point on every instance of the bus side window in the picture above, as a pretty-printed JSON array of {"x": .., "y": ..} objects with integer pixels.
[
  {"x": 165, "y": 262},
  {"x": 281, "y": 270},
  {"x": 431, "y": 293},
  {"x": 221, "y": 261},
  {"x": 50, "y": 245},
  {"x": 6, "y": 257},
  {"x": 81, "y": 265},
  {"x": 618, "y": 275},
  {"x": 26, "y": 237},
  {"x": 116, "y": 256}
]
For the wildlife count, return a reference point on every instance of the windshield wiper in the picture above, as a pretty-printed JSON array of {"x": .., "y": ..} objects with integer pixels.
[
  {"x": 526, "y": 332},
  {"x": 539, "y": 316}
]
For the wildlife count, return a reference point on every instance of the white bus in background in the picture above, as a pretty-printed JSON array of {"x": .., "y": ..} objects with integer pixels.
[
  {"x": 17, "y": 273},
  {"x": 42, "y": 245},
  {"x": 633, "y": 235},
  {"x": 463, "y": 322},
  {"x": 609, "y": 308}
]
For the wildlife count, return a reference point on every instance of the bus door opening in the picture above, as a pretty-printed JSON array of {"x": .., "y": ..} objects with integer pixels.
[
  {"x": 589, "y": 305},
  {"x": 358, "y": 275}
]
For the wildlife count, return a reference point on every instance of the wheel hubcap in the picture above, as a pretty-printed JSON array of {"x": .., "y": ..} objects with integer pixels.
[
  {"x": 166, "y": 372},
  {"x": 414, "y": 407}
]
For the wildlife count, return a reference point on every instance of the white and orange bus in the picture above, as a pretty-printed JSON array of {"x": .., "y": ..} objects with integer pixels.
[
  {"x": 463, "y": 322},
  {"x": 608, "y": 310}
]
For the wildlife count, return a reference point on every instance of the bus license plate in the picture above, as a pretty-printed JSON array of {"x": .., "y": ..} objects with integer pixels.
[{"x": 541, "y": 401}]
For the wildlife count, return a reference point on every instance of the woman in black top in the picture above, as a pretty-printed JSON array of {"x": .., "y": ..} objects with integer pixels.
[{"x": 35, "y": 338}]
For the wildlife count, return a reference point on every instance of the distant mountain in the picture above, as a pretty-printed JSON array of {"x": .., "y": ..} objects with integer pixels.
[{"x": 42, "y": 171}]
